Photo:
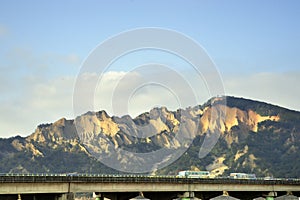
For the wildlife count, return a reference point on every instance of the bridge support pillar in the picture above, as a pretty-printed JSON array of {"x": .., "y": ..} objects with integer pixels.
[
  {"x": 271, "y": 195},
  {"x": 67, "y": 196},
  {"x": 187, "y": 195},
  {"x": 98, "y": 196},
  {"x": 113, "y": 197}
]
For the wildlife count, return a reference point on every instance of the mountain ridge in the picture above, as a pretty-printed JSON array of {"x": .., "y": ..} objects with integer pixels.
[{"x": 248, "y": 130}]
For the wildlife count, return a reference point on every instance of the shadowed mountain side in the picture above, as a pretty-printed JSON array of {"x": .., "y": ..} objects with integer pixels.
[{"x": 236, "y": 134}]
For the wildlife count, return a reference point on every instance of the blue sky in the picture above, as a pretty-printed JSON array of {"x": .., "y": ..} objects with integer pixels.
[{"x": 255, "y": 45}]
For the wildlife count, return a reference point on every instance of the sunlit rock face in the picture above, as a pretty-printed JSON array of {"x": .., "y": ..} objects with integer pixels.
[{"x": 248, "y": 130}]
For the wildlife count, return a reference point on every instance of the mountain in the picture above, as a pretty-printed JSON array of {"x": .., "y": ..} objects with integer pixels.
[{"x": 224, "y": 135}]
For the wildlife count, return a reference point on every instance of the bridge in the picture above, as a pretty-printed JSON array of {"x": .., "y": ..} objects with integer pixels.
[{"x": 124, "y": 187}]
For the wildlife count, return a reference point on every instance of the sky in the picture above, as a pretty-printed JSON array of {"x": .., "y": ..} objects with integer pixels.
[{"x": 44, "y": 45}]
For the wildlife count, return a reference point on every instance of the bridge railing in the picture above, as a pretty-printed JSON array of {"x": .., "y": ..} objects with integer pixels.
[{"x": 71, "y": 177}]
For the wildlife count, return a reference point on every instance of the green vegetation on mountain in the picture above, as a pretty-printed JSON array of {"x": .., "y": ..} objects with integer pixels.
[{"x": 255, "y": 137}]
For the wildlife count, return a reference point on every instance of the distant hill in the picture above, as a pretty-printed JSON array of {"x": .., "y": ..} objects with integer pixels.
[{"x": 255, "y": 137}]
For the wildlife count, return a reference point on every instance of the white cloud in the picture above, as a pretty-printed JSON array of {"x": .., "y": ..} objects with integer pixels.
[
  {"x": 135, "y": 92},
  {"x": 33, "y": 90},
  {"x": 277, "y": 88},
  {"x": 45, "y": 100},
  {"x": 121, "y": 93},
  {"x": 42, "y": 99},
  {"x": 39, "y": 102}
]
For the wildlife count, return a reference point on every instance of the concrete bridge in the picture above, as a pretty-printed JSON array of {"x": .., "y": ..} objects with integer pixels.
[{"x": 123, "y": 187}]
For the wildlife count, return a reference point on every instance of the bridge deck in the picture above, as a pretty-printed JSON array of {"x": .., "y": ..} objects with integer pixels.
[
  {"x": 55, "y": 183},
  {"x": 99, "y": 178}
]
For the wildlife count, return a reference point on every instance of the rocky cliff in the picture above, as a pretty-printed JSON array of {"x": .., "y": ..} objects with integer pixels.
[{"x": 224, "y": 135}]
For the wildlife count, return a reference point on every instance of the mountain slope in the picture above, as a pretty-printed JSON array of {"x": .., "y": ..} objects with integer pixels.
[{"x": 230, "y": 135}]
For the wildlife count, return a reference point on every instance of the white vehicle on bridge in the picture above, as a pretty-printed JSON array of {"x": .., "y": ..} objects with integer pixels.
[
  {"x": 242, "y": 176},
  {"x": 193, "y": 174}
]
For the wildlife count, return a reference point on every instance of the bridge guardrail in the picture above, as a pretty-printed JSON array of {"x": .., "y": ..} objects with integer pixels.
[{"x": 42, "y": 178}]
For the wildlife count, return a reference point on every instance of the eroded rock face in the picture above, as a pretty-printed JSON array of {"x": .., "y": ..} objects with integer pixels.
[
  {"x": 159, "y": 128},
  {"x": 58, "y": 132},
  {"x": 156, "y": 126},
  {"x": 231, "y": 117}
]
